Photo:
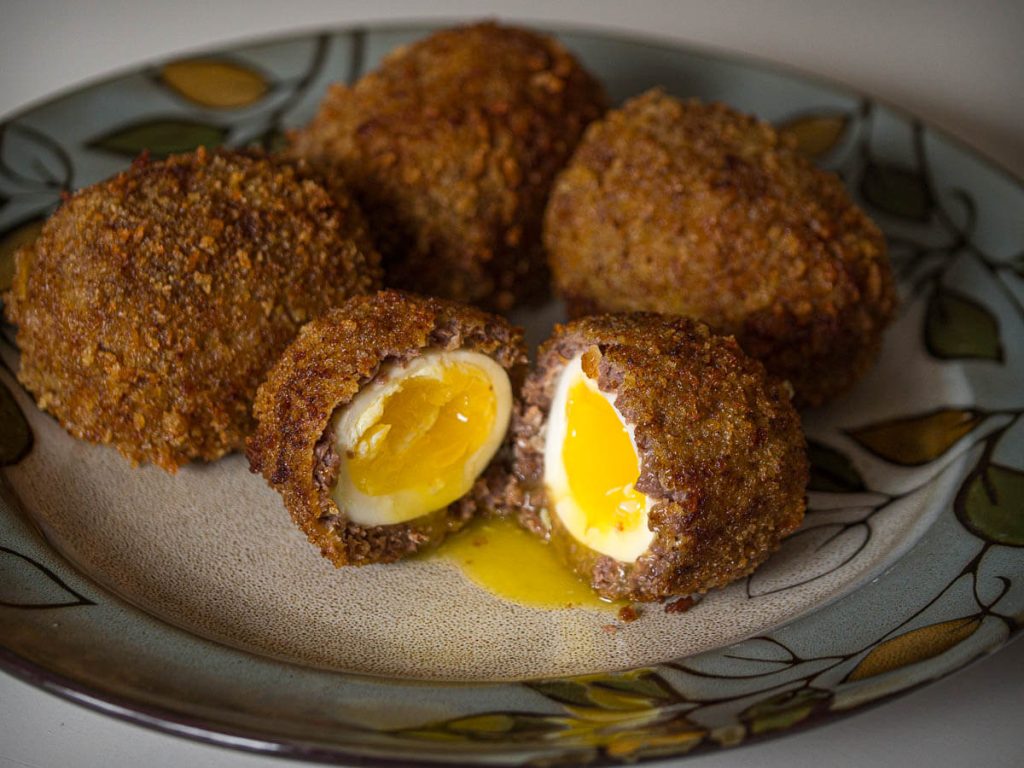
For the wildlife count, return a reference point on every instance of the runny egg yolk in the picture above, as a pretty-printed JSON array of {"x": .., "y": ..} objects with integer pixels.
[
  {"x": 426, "y": 431},
  {"x": 600, "y": 462},
  {"x": 416, "y": 438},
  {"x": 591, "y": 467}
]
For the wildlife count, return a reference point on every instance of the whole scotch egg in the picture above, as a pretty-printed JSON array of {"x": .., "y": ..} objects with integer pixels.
[
  {"x": 657, "y": 457},
  {"x": 152, "y": 304},
  {"x": 451, "y": 146},
  {"x": 380, "y": 423},
  {"x": 700, "y": 210}
]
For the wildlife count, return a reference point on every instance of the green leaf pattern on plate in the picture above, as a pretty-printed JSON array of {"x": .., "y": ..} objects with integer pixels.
[
  {"x": 784, "y": 710},
  {"x": 915, "y": 440},
  {"x": 958, "y": 327},
  {"x": 991, "y": 504},
  {"x": 831, "y": 470},
  {"x": 160, "y": 137},
  {"x": 896, "y": 191}
]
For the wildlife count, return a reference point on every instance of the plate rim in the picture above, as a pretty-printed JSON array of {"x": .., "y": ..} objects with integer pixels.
[
  {"x": 651, "y": 39},
  {"x": 165, "y": 721}
]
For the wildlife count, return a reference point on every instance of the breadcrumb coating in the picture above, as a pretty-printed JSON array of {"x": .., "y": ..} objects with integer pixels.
[
  {"x": 332, "y": 359},
  {"x": 721, "y": 452},
  {"x": 152, "y": 304},
  {"x": 451, "y": 147},
  {"x": 698, "y": 210}
]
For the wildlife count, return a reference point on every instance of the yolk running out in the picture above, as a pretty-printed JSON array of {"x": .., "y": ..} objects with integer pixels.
[
  {"x": 600, "y": 462},
  {"x": 512, "y": 563},
  {"x": 427, "y": 431}
]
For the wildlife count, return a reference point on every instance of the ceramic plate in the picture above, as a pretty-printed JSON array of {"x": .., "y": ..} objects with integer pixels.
[{"x": 191, "y": 604}]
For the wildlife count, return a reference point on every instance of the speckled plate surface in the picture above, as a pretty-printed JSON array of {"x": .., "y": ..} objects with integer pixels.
[{"x": 189, "y": 603}]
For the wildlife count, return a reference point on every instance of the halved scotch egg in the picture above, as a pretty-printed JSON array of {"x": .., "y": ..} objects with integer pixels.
[
  {"x": 656, "y": 456},
  {"x": 380, "y": 424}
]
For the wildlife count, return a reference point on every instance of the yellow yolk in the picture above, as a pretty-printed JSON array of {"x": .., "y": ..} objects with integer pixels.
[
  {"x": 591, "y": 467},
  {"x": 514, "y": 564},
  {"x": 427, "y": 430},
  {"x": 416, "y": 438},
  {"x": 600, "y": 461}
]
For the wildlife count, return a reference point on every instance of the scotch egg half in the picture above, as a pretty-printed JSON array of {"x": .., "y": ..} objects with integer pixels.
[
  {"x": 655, "y": 456},
  {"x": 380, "y": 423}
]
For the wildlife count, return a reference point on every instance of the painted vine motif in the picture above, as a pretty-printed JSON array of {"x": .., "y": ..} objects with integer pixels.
[
  {"x": 763, "y": 685},
  {"x": 22, "y": 587}
]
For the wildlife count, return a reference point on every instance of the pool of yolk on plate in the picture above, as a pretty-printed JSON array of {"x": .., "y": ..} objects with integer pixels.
[
  {"x": 601, "y": 467},
  {"x": 513, "y": 564}
]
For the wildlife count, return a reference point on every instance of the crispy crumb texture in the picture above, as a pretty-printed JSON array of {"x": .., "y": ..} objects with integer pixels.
[{"x": 152, "y": 304}]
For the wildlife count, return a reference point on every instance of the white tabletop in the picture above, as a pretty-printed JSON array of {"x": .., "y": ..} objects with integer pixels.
[{"x": 957, "y": 65}]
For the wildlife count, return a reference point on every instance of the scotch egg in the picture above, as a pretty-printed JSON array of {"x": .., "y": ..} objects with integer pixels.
[
  {"x": 152, "y": 303},
  {"x": 380, "y": 424},
  {"x": 451, "y": 145},
  {"x": 700, "y": 210},
  {"x": 656, "y": 456}
]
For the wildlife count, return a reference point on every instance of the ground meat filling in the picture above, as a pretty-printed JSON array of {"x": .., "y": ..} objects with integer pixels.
[{"x": 327, "y": 463}]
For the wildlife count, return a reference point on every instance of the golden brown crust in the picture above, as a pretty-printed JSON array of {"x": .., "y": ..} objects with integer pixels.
[
  {"x": 720, "y": 445},
  {"x": 152, "y": 304},
  {"x": 451, "y": 147},
  {"x": 698, "y": 210},
  {"x": 332, "y": 359}
]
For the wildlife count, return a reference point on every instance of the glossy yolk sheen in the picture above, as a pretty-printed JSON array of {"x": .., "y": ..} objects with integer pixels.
[
  {"x": 425, "y": 434},
  {"x": 600, "y": 462}
]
